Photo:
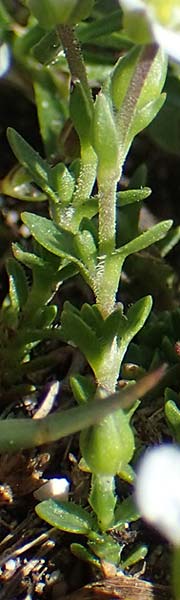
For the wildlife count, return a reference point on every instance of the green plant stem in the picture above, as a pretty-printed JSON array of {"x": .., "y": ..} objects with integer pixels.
[
  {"x": 108, "y": 371},
  {"x": 107, "y": 188},
  {"x": 86, "y": 177},
  {"x": 16, "y": 434},
  {"x": 107, "y": 278},
  {"x": 74, "y": 57},
  {"x": 77, "y": 68}
]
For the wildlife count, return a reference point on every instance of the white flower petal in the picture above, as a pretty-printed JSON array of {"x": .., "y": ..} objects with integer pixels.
[
  {"x": 5, "y": 59},
  {"x": 168, "y": 39},
  {"x": 132, "y": 4},
  {"x": 158, "y": 490}
]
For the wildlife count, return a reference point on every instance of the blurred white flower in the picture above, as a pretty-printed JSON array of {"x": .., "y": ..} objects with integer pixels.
[
  {"x": 159, "y": 19},
  {"x": 5, "y": 59},
  {"x": 158, "y": 490}
]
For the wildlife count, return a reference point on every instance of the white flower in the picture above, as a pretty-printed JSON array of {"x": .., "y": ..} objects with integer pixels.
[
  {"x": 161, "y": 18},
  {"x": 5, "y": 59},
  {"x": 158, "y": 490}
]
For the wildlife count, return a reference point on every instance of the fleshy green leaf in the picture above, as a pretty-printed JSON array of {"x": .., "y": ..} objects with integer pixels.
[
  {"x": 135, "y": 557},
  {"x": 63, "y": 182},
  {"x": 32, "y": 161},
  {"x": 136, "y": 85},
  {"x": 29, "y": 259},
  {"x": 83, "y": 388},
  {"x": 131, "y": 196},
  {"x": 18, "y": 184},
  {"x": 105, "y": 139},
  {"x": 54, "y": 239},
  {"x": 66, "y": 516},
  {"x": 152, "y": 235},
  {"x": 125, "y": 512},
  {"x": 106, "y": 548},
  {"x": 18, "y": 287},
  {"x": 172, "y": 412},
  {"x": 47, "y": 48},
  {"x": 103, "y": 500},
  {"x": 81, "y": 118},
  {"x": 47, "y": 316},
  {"x": 84, "y": 554},
  {"x": 76, "y": 330},
  {"x": 51, "y": 110},
  {"x": 145, "y": 115}
]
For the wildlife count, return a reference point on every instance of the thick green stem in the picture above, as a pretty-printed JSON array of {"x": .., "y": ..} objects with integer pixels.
[
  {"x": 107, "y": 215},
  {"x": 108, "y": 371},
  {"x": 108, "y": 273},
  {"x": 103, "y": 500},
  {"x": 86, "y": 177},
  {"x": 107, "y": 279}
]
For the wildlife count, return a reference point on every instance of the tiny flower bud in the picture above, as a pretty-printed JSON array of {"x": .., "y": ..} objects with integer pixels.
[{"x": 108, "y": 446}]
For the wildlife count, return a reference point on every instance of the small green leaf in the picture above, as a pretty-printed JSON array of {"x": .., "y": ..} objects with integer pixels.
[
  {"x": 32, "y": 161},
  {"x": 135, "y": 318},
  {"x": 172, "y": 413},
  {"x": 145, "y": 115},
  {"x": 5, "y": 18},
  {"x": 136, "y": 84},
  {"x": 83, "y": 388},
  {"x": 47, "y": 48},
  {"x": 127, "y": 473},
  {"x": 66, "y": 516},
  {"x": 93, "y": 318},
  {"x": 103, "y": 500},
  {"x": 28, "y": 259},
  {"x": 18, "y": 287},
  {"x": 135, "y": 557},
  {"x": 172, "y": 238},
  {"x": 54, "y": 239},
  {"x": 18, "y": 184},
  {"x": 149, "y": 237},
  {"x": 125, "y": 512},
  {"x": 106, "y": 548},
  {"x": 131, "y": 196},
  {"x": 50, "y": 13},
  {"x": 84, "y": 554},
  {"x": 86, "y": 249},
  {"x": 52, "y": 111},
  {"x": 112, "y": 324},
  {"x": 164, "y": 130},
  {"x": 105, "y": 139},
  {"x": 63, "y": 182},
  {"x": 107, "y": 447},
  {"x": 122, "y": 75},
  {"x": 75, "y": 329},
  {"x": 46, "y": 316},
  {"x": 82, "y": 119}
]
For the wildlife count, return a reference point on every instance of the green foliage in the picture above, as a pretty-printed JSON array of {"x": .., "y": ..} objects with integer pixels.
[
  {"x": 51, "y": 12},
  {"x": 70, "y": 517},
  {"x": 86, "y": 139}
]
